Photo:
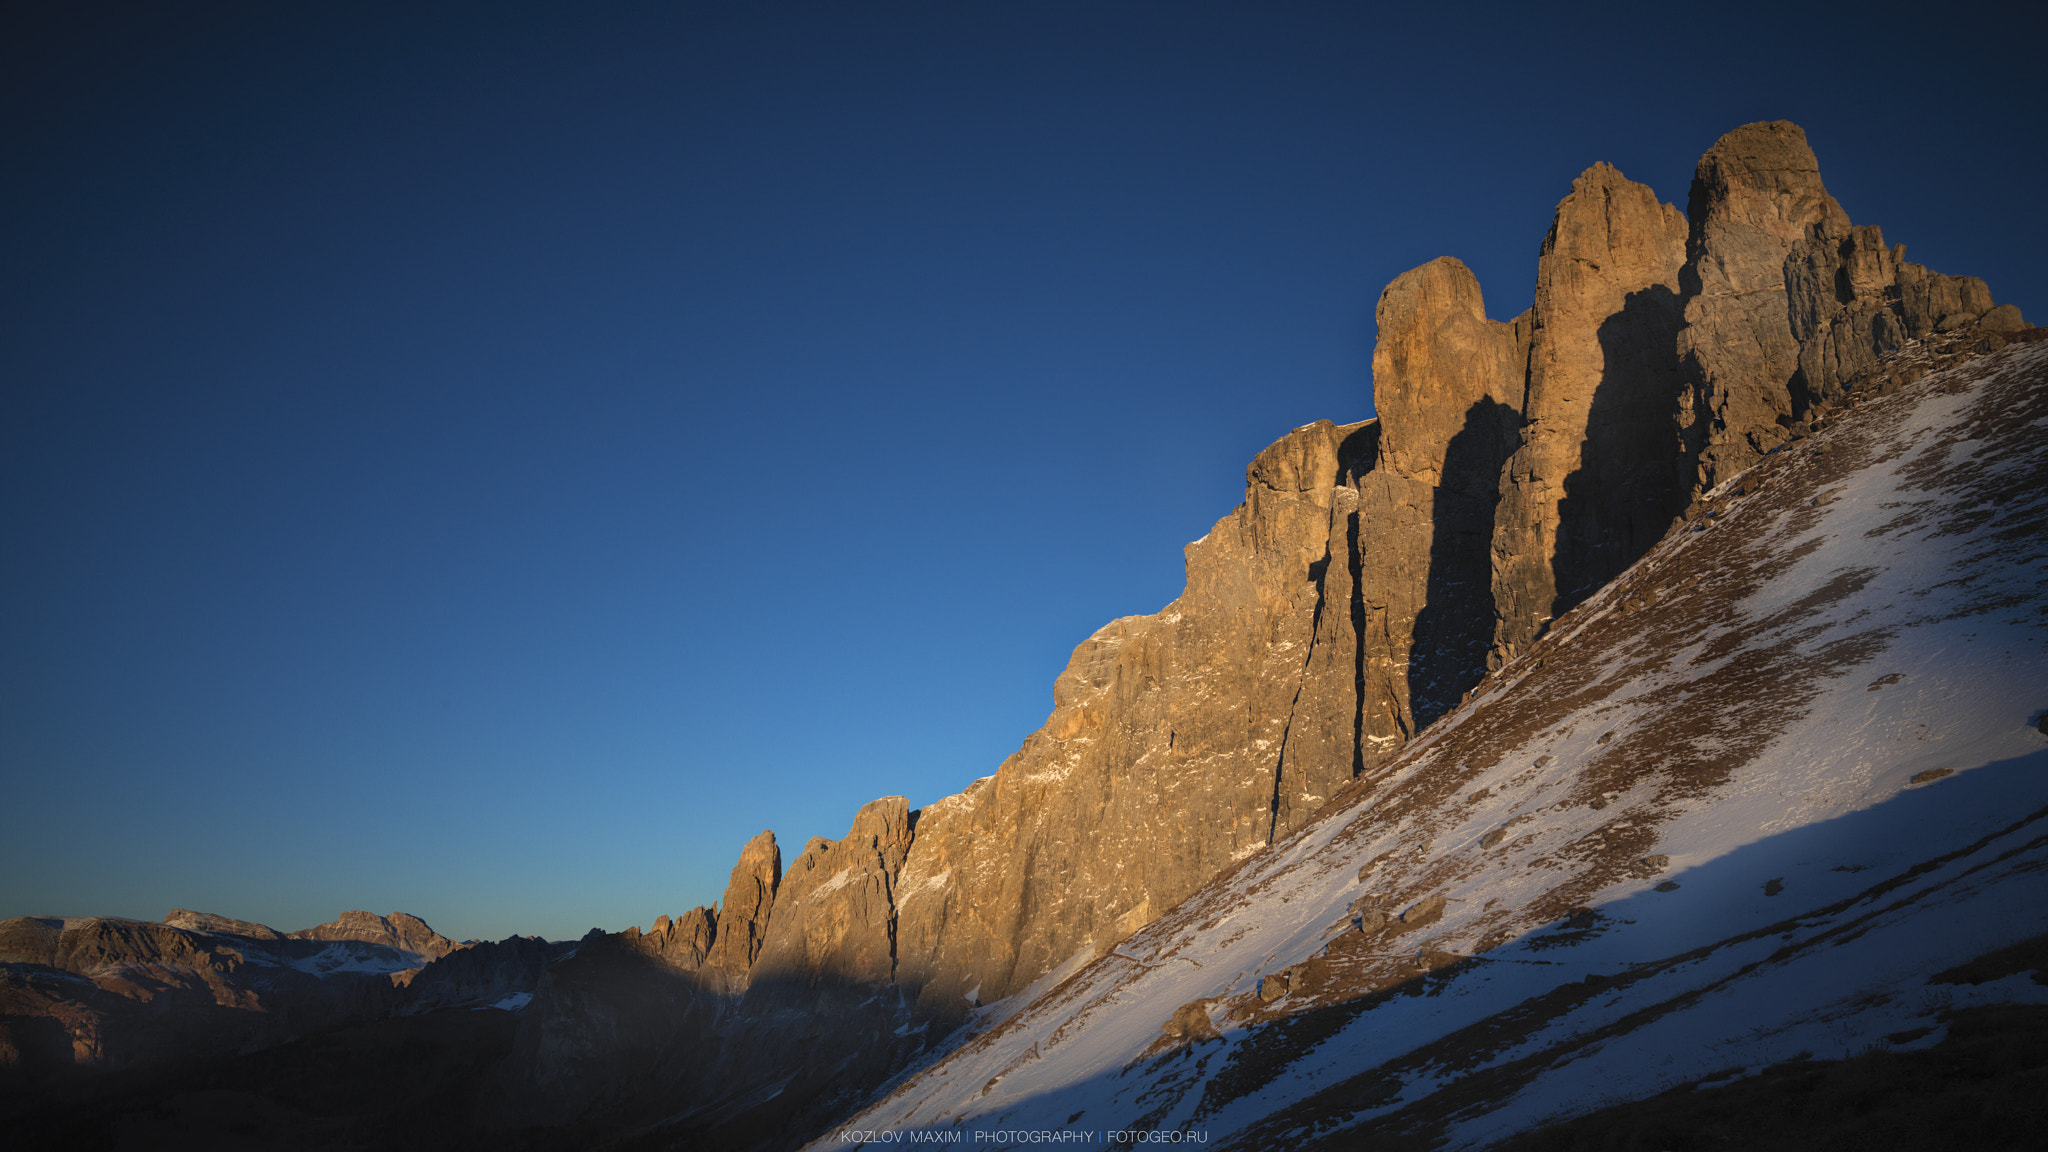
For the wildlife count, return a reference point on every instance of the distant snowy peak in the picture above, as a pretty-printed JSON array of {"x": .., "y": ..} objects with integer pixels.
[{"x": 1739, "y": 805}]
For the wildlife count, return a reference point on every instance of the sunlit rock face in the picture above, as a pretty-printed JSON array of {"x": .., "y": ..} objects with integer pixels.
[
  {"x": 1784, "y": 300},
  {"x": 1337, "y": 610},
  {"x": 1755, "y": 196},
  {"x": 1776, "y": 795},
  {"x": 407, "y": 934},
  {"x": 740, "y": 926},
  {"x": 1591, "y": 484},
  {"x": 1377, "y": 571}
]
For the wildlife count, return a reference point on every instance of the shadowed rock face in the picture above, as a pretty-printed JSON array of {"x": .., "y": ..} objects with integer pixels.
[
  {"x": 654, "y": 1028},
  {"x": 97, "y": 993},
  {"x": 476, "y": 975},
  {"x": 1449, "y": 385}
]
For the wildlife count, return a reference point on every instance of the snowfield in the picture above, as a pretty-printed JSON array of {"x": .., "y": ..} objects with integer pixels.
[
  {"x": 1737, "y": 807},
  {"x": 353, "y": 956}
]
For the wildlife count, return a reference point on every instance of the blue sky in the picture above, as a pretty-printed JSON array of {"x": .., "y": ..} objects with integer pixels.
[{"x": 488, "y": 461}]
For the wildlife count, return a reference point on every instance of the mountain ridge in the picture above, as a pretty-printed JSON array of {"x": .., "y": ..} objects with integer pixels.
[
  {"x": 1585, "y": 882},
  {"x": 1375, "y": 575},
  {"x": 1384, "y": 581}
]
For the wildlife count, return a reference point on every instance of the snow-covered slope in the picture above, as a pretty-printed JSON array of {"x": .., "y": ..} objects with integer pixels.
[{"x": 1736, "y": 807}]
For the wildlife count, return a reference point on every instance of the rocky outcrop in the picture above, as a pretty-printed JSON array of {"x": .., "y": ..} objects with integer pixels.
[
  {"x": 1377, "y": 571},
  {"x": 824, "y": 1016},
  {"x": 405, "y": 934},
  {"x": 477, "y": 974},
  {"x": 1324, "y": 621},
  {"x": 682, "y": 944},
  {"x": 224, "y": 925},
  {"x": 1173, "y": 748},
  {"x": 1841, "y": 300},
  {"x": 742, "y": 921},
  {"x": 634, "y": 1023},
  {"x": 1448, "y": 383},
  {"x": 837, "y": 920},
  {"x": 94, "y": 994},
  {"x": 1374, "y": 575},
  {"x": 1682, "y": 804},
  {"x": 1852, "y": 301},
  {"x": 1170, "y": 752},
  {"x": 1756, "y": 196},
  {"x": 1591, "y": 485},
  {"x": 86, "y": 994},
  {"x": 626, "y": 1024},
  {"x": 1785, "y": 300}
]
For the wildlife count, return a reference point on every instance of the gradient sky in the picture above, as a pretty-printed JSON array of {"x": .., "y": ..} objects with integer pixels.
[{"x": 488, "y": 461}]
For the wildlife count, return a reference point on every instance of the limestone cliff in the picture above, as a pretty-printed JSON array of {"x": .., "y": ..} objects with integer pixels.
[
  {"x": 1591, "y": 485},
  {"x": 1374, "y": 575},
  {"x": 1784, "y": 300},
  {"x": 748, "y": 896},
  {"x": 1757, "y": 804},
  {"x": 1754, "y": 198}
]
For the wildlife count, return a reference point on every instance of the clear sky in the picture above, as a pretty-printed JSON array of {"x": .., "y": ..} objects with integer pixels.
[{"x": 488, "y": 461}]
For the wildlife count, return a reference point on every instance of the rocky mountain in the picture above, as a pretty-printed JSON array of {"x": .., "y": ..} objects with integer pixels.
[
  {"x": 85, "y": 994},
  {"x": 481, "y": 973},
  {"x": 1779, "y": 793},
  {"x": 1722, "y": 558},
  {"x": 407, "y": 936},
  {"x": 1376, "y": 574}
]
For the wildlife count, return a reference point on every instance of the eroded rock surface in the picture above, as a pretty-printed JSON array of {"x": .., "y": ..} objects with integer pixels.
[
  {"x": 743, "y": 916},
  {"x": 1785, "y": 299},
  {"x": 208, "y": 922},
  {"x": 1591, "y": 485},
  {"x": 406, "y": 934},
  {"x": 1374, "y": 575},
  {"x": 1755, "y": 197}
]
